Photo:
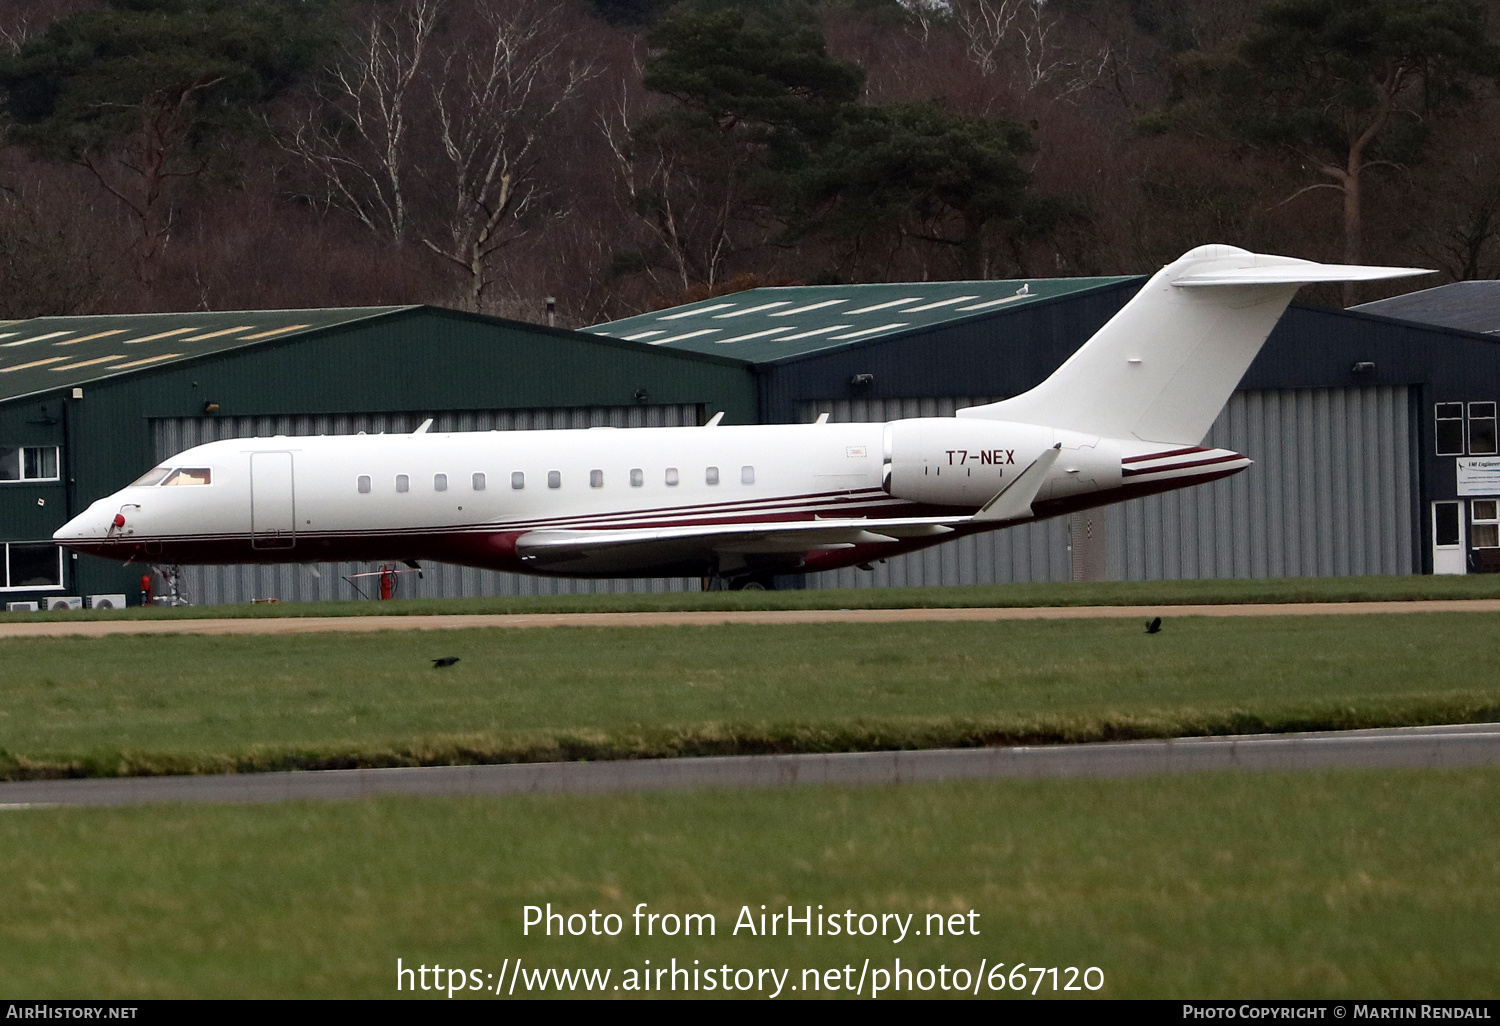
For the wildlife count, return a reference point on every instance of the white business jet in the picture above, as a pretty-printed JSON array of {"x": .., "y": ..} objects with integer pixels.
[{"x": 1123, "y": 417}]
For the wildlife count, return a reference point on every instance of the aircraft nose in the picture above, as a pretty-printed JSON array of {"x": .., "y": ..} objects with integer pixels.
[{"x": 93, "y": 524}]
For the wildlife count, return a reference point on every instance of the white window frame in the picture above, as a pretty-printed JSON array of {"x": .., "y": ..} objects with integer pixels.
[
  {"x": 21, "y": 464},
  {"x": 1463, "y": 429},
  {"x": 1470, "y": 418},
  {"x": 5, "y": 585},
  {"x": 1476, "y": 522}
]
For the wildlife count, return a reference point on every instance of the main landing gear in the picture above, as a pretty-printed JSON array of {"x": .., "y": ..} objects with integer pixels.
[{"x": 740, "y": 582}]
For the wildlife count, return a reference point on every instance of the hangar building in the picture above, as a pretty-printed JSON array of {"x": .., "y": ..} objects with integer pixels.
[
  {"x": 87, "y": 404},
  {"x": 1372, "y": 436}
]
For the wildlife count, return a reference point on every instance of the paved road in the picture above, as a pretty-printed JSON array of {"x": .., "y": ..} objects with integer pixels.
[
  {"x": 325, "y": 624},
  {"x": 1445, "y": 746}
]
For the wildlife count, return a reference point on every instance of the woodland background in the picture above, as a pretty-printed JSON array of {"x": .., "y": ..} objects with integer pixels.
[{"x": 623, "y": 155}]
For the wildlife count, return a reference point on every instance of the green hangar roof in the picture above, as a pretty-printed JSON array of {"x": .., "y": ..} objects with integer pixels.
[
  {"x": 47, "y": 353},
  {"x": 770, "y": 324}
]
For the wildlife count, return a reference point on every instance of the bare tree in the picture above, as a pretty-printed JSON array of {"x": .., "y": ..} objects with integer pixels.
[
  {"x": 1026, "y": 40},
  {"x": 653, "y": 183},
  {"x": 502, "y": 82},
  {"x": 356, "y": 135}
]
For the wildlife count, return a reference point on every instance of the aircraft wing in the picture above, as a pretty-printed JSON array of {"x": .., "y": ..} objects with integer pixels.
[
  {"x": 1013, "y": 503},
  {"x": 556, "y": 546}
]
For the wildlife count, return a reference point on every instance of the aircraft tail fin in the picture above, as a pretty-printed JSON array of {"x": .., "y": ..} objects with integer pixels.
[{"x": 1163, "y": 367}]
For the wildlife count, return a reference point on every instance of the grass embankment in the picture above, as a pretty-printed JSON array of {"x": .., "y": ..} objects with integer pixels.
[
  {"x": 1117, "y": 593},
  {"x": 1350, "y": 884},
  {"x": 195, "y": 704}
]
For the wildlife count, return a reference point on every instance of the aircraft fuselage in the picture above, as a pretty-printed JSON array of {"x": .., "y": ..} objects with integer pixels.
[{"x": 668, "y": 500}]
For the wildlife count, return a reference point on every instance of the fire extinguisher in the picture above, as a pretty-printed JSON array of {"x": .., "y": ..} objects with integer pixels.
[{"x": 387, "y": 582}]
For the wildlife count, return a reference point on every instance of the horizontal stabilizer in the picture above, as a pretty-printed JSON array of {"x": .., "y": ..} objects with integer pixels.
[{"x": 1296, "y": 272}]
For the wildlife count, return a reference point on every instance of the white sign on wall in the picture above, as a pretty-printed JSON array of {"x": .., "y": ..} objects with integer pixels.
[{"x": 1479, "y": 475}]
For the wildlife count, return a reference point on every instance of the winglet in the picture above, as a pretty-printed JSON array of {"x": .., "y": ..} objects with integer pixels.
[
  {"x": 422, "y": 427},
  {"x": 1015, "y": 499},
  {"x": 714, "y": 420}
]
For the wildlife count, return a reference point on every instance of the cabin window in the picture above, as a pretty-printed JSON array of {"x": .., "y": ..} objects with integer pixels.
[
  {"x": 554, "y": 479},
  {"x": 1450, "y": 429},
  {"x": 403, "y": 483},
  {"x": 747, "y": 475},
  {"x": 189, "y": 476},
  {"x": 517, "y": 480},
  {"x": 672, "y": 477},
  {"x": 1482, "y": 429},
  {"x": 364, "y": 484},
  {"x": 151, "y": 477},
  {"x": 29, "y": 463},
  {"x": 440, "y": 482},
  {"x": 479, "y": 482},
  {"x": 711, "y": 476},
  {"x": 596, "y": 479},
  {"x": 31, "y": 565},
  {"x": 637, "y": 477}
]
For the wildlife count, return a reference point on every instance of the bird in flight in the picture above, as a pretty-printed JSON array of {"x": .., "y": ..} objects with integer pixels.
[
  {"x": 445, "y": 661},
  {"x": 1153, "y": 626}
]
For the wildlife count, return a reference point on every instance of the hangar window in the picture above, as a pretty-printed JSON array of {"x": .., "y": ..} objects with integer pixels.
[
  {"x": 151, "y": 477},
  {"x": 554, "y": 479},
  {"x": 1450, "y": 429},
  {"x": 1485, "y": 517},
  {"x": 711, "y": 476},
  {"x": 517, "y": 480},
  {"x": 672, "y": 477},
  {"x": 29, "y": 463},
  {"x": 596, "y": 479},
  {"x": 1482, "y": 429},
  {"x": 403, "y": 483},
  {"x": 31, "y": 565},
  {"x": 747, "y": 475},
  {"x": 637, "y": 477},
  {"x": 479, "y": 482},
  {"x": 364, "y": 484},
  {"x": 189, "y": 476},
  {"x": 440, "y": 482}
]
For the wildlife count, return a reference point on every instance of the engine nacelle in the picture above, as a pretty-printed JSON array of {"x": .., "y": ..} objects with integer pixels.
[{"x": 968, "y": 461}]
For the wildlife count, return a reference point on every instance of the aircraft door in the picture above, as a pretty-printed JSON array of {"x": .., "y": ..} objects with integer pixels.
[{"x": 273, "y": 515}]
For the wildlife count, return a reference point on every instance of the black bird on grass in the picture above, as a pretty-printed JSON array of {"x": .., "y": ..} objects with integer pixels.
[
  {"x": 445, "y": 661},
  {"x": 1153, "y": 626}
]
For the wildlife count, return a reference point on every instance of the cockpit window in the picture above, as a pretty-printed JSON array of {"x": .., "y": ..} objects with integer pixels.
[
  {"x": 151, "y": 477},
  {"x": 188, "y": 476}
]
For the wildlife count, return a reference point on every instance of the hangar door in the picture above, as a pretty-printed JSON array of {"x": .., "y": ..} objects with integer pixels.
[
  {"x": 1330, "y": 495},
  {"x": 291, "y": 582}
]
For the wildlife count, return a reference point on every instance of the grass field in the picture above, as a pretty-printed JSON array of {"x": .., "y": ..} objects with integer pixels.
[
  {"x": 1166, "y": 593},
  {"x": 1367, "y": 884},
  {"x": 180, "y": 703}
]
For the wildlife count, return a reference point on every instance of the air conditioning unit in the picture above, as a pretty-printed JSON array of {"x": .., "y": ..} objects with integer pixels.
[
  {"x": 106, "y": 602},
  {"x": 65, "y": 602},
  {"x": 20, "y": 607}
]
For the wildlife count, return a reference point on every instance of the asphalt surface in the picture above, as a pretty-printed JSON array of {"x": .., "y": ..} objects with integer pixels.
[
  {"x": 325, "y": 624},
  {"x": 1409, "y": 747}
]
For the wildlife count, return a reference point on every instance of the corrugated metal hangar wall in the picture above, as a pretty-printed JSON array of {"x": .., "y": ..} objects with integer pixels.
[
  {"x": 309, "y": 582},
  {"x": 1331, "y": 493}
]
